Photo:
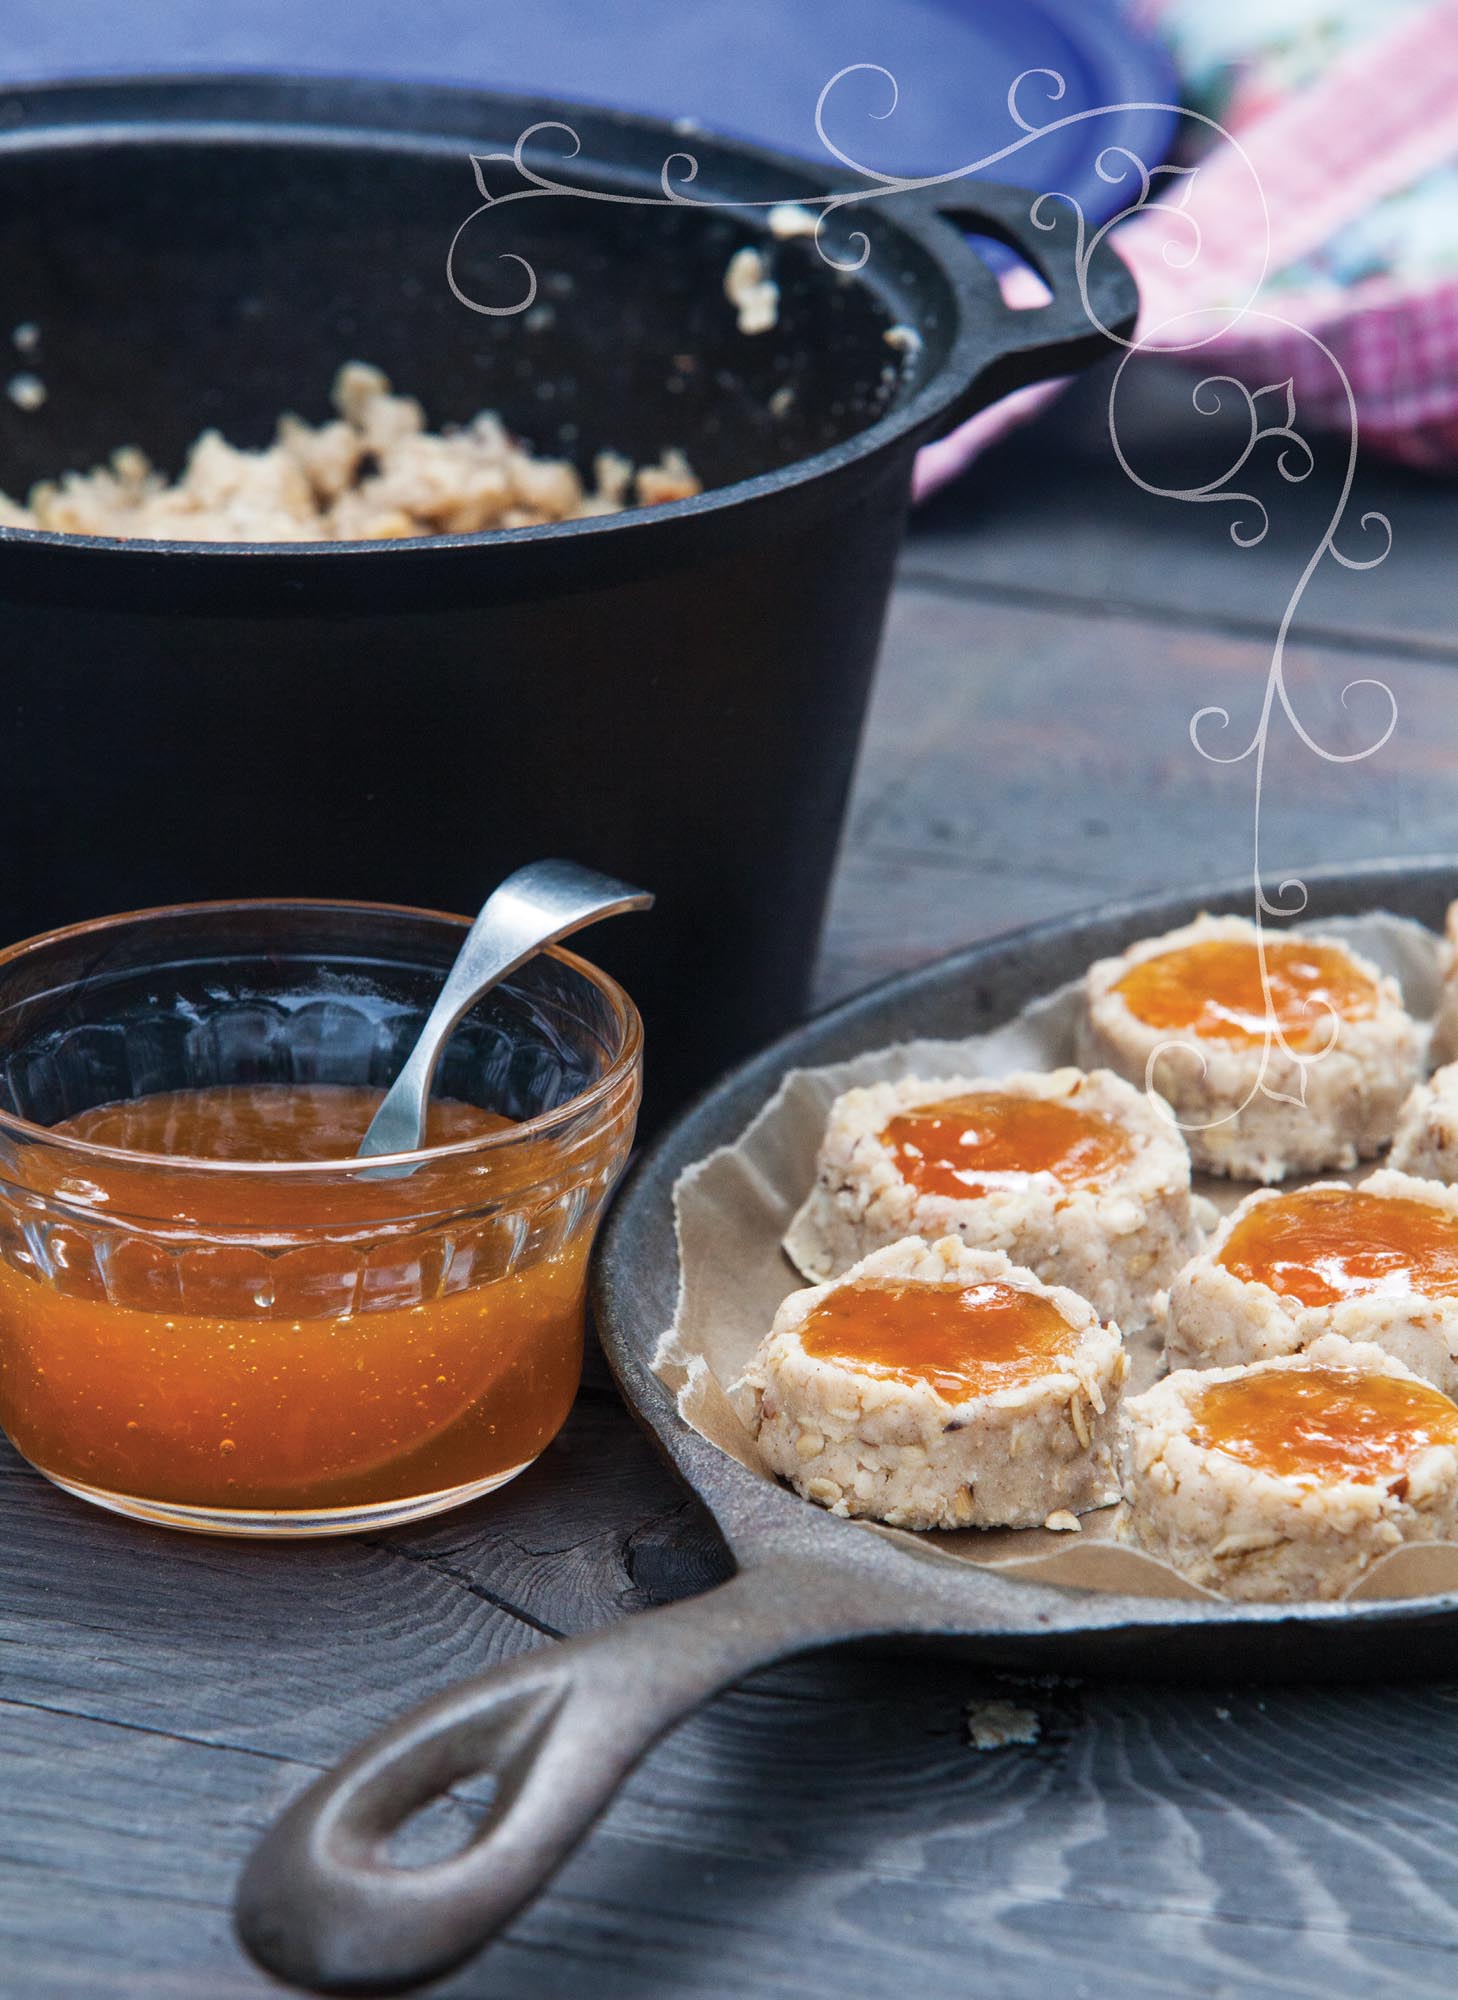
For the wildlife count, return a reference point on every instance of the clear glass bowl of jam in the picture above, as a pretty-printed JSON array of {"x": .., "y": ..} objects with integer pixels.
[{"x": 211, "y": 1315}]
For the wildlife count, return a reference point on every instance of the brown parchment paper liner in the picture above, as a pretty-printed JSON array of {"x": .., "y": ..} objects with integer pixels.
[{"x": 733, "y": 1209}]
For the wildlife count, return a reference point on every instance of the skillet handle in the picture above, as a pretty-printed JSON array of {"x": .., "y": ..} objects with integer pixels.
[
  {"x": 321, "y": 1905},
  {"x": 1090, "y": 308}
]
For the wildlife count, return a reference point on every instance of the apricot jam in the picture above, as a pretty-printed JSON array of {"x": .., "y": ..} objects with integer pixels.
[
  {"x": 964, "y": 1340},
  {"x": 262, "y": 1121},
  {"x": 1322, "y": 1245},
  {"x": 1213, "y": 989},
  {"x": 1323, "y": 1423},
  {"x": 991, "y": 1139},
  {"x": 262, "y": 1342}
]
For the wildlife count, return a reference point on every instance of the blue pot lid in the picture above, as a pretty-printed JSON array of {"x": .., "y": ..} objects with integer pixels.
[{"x": 752, "y": 68}]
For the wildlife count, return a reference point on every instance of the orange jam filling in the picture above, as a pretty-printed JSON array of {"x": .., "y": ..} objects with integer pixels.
[
  {"x": 1213, "y": 989},
  {"x": 964, "y": 1340},
  {"x": 1323, "y": 1423},
  {"x": 1322, "y": 1245},
  {"x": 267, "y": 1342},
  {"x": 263, "y": 1122},
  {"x": 993, "y": 1139}
]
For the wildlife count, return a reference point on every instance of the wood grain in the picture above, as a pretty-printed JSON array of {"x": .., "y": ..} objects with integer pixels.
[
  {"x": 1051, "y": 521},
  {"x": 1020, "y": 764},
  {"x": 826, "y": 1829},
  {"x": 1028, "y": 749}
]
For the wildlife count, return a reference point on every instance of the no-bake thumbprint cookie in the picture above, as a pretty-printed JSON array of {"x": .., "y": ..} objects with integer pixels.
[
  {"x": 1290, "y": 1478},
  {"x": 1374, "y": 1263},
  {"x": 1190, "y": 1013},
  {"x": 1079, "y": 1177},
  {"x": 933, "y": 1386},
  {"x": 1426, "y": 1142},
  {"x": 1444, "y": 1045}
]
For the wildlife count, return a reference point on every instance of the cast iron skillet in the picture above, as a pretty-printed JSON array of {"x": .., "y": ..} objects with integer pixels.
[{"x": 320, "y": 1905}]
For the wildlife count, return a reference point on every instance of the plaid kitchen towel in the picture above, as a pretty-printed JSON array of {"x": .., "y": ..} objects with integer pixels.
[{"x": 1254, "y": 208}]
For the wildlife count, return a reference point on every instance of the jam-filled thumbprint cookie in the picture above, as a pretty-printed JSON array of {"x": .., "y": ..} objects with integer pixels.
[
  {"x": 1378, "y": 1263},
  {"x": 933, "y": 1386},
  {"x": 1426, "y": 1140},
  {"x": 1079, "y": 1177},
  {"x": 1194, "y": 1013},
  {"x": 1288, "y": 1479}
]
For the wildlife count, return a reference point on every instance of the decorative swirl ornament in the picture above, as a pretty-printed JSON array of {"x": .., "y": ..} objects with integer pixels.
[
  {"x": 1294, "y": 462},
  {"x": 1161, "y": 192},
  {"x": 680, "y": 170}
]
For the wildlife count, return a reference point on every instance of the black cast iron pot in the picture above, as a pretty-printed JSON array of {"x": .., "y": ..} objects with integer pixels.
[{"x": 673, "y": 695}]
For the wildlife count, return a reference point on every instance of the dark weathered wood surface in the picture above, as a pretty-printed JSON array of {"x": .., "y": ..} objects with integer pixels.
[
  {"x": 827, "y": 1829},
  {"x": 1054, "y": 632}
]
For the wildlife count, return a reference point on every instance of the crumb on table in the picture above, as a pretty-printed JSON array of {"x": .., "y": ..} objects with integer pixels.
[{"x": 997, "y": 1725}]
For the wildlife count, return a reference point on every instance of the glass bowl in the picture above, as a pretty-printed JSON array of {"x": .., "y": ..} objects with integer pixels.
[{"x": 250, "y": 1347}]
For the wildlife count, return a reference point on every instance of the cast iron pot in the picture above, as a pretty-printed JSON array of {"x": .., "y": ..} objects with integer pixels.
[{"x": 673, "y": 695}]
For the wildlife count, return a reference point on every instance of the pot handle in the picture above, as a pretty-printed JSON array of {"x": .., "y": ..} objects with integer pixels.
[
  {"x": 321, "y": 1905},
  {"x": 1090, "y": 308}
]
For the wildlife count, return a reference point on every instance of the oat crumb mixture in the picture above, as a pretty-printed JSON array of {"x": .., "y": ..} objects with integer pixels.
[{"x": 373, "y": 473}]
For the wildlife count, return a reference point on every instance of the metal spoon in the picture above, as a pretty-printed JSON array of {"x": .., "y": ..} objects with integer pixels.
[{"x": 531, "y": 909}]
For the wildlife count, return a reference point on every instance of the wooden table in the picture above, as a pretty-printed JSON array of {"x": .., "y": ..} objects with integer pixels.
[{"x": 828, "y": 1829}]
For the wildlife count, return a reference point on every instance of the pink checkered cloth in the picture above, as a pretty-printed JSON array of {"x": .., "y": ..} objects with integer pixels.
[{"x": 1375, "y": 122}]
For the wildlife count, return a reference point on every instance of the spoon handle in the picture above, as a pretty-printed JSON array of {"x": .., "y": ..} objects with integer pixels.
[{"x": 535, "y": 907}]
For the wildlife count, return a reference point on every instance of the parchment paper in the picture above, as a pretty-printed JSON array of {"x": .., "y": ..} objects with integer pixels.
[{"x": 733, "y": 1208}]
